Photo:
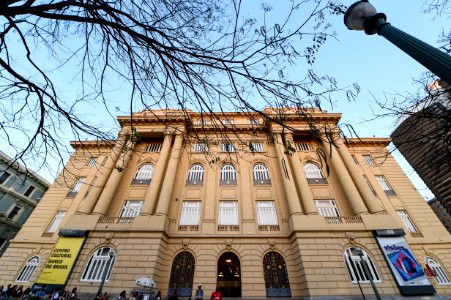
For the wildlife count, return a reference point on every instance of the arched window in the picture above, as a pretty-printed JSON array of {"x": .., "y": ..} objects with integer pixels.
[
  {"x": 195, "y": 174},
  {"x": 261, "y": 174},
  {"x": 101, "y": 261},
  {"x": 228, "y": 174},
  {"x": 28, "y": 269},
  {"x": 276, "y": 275},
  {"x": 355, "y": 258},
  {"x": 144, "y": 174},
  {"x": 439, "y": 273},
  {"x": 314, "y": 174}
]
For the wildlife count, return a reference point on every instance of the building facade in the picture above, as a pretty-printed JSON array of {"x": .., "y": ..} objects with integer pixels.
[
  {"x": 237, "y": 202},
  {"x": 20, "y": 192},
  {"x": 441, "y": 213}
]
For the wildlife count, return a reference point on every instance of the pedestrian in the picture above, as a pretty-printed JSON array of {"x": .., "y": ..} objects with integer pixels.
[
  {"x": 41, "y": 294},
  {"x": 123, "y": 295},
  {"x": 105, "y": 296},
  {"x": 98, "y": 296},
  {"x": 199, "y": 292},
  {"x": 216, "y": 295},
  {"x": 26, "y": 293},
  {"x": 158, "y": 296},
  {"x": 74, "y": 294},
  {"x": 19, "y": 291}
]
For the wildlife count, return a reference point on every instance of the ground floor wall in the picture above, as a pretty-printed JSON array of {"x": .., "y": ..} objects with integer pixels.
[{"x": 314, "y": 262}]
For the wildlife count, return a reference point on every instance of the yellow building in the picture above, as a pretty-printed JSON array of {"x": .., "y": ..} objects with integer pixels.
[{"x": 237, "y": 202}]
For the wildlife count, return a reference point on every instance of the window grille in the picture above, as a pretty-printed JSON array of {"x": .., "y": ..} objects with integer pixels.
[
  {"x": 354, "y": 263},
  {"x": 131, "y": 208},
  {"x": 261, "y": 174},
  {"x": 28, "y": 269},
  {"x": 77, "y": 186},
  {"x": 441, "y": 276},
  {"x": 370, "y": 185},
  {"x": 228, "y": 213},
  {"x": 228, "y": 122},
  {"x": 195, "y": 174},
  {"x": 98, "y": 263},
  {"x": 154, "y": 147},
  {"x": 59, "y": 216},
  {"x": 228, "y": 147},
  {"x": 407, "y": 221},
  {"x": 91, "y": 162},
  {"x": 266, "y": 213},
  {"x": 355, "y": 159},
  {"x": 327, "y": 208},
  {"x": 199, "y": 147},
  {"x": 256, "y": 147},
  {"x": 276, "y": 276},
  {"x": 29, "y": 191},
  {"x": 302, "y": 146},
  {"x": 144, "y": 174},
  {"x": 190, "y": 214},
  {"x": 314, "y": 174},
  {"x": 228, "y": 174},
  {"x": 369, "y": 160},
  {"x": 4, "y": 177},
  {"x": 388, "y": 190}
]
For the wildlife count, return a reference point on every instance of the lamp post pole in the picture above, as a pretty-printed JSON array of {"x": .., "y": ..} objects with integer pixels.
[
  {"x": 105, "y": 271},
  {"x": 363, "y": 16},
  {"x": 368, "y": 275}
]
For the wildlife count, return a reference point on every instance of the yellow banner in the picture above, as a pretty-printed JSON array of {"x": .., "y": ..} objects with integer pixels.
[{"x": 61, "y": 260}]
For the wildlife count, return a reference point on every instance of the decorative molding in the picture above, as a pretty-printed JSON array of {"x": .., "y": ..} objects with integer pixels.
[
  {"x": 350, "y": 236},
  {"x": 272, "y": 244},
  {"x": 228, "y": 244},
  {"x": 185, "y": 243}
]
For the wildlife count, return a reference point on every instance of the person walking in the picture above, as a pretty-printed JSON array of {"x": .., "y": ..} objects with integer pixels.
[{"x": 122, "y": 296}]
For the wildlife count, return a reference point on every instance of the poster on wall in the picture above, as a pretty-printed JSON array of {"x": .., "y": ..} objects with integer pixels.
[{"x": 407, "y": 271}]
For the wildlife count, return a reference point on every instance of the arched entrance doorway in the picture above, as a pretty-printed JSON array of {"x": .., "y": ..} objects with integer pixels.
[
  {"x": 182, "y": 274},
  {"x": 229, "y": 275},
  {"x": 276, "y": 276}
]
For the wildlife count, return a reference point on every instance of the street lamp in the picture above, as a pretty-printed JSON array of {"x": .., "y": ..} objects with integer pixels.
[
  {"x": 367, "y": 273},
  {"x": 363, "y": 16},
  {"x": 105, "y": 271}
]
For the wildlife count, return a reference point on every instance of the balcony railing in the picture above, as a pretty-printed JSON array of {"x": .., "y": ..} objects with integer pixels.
[
  {"x": 416, "y": 234},
  {"x": 228, "y": 227},
  {"x": 343, "y": 220},
  {"x": 116, "y": 220},
  {"x": 188, "y": 227},
  {"x": 47, "y": 234},
  {"x": 268, "y": 228}
]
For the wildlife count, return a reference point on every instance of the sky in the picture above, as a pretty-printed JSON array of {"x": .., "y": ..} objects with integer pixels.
[{"x": 377, "y": 66}]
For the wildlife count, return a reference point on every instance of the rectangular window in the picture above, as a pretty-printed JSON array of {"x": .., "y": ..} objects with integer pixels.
[
  {"x": 228, "y": 147},
  {"x": 76, "y": 188},
  {"x": 256, "y": 147},
  {"x": 190, "y": 214},
  {"x": 154, "y": 147},
  {"x": 131, "y": 208},
  {"x": 4, "y": 177},
  {"x": 370, "y": 185},
  {"x": 327, "y": 208},
  {"x": 228, "y": 213},
  {"x": 104, "y": 161},
  {"x": 388, "y": 190},
  {"x": 91, "y": 162},
  {"x": 369, "y": 160},
  {"x": 266, "y": 213},
  {"x": 29, "y": 191},
  {"x": 199, "y": 147},
  {"x": 14, "y": 212},
  {"x": 355, "y": 159},
  {"x": 407, "y": 221},
  {"x": 303, "y": 146},
  {"x": 59, "y": 216},
  {"x": 203, "y": 122}
]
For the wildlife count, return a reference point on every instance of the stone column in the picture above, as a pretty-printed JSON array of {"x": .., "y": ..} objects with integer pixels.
[
  {"x": 345, "y": 180},
  {"x": 168, "y": 182},
  {"x": 246, "y": 191},
  {"x": 373, "y": 204},
  {"x": 288, "y": 180},
  {"x": 113, "y": 182},
  {"x": 104, "y": 173},
  {"x": 304, "y": 189},
  {"x": 157, "y": 177}
]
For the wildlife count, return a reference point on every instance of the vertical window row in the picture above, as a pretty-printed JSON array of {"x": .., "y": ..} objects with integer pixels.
[{"x": 76, "y": 187}]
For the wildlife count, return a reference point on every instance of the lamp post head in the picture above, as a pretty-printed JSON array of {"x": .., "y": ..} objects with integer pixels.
[{"x": 363, "y": 16}]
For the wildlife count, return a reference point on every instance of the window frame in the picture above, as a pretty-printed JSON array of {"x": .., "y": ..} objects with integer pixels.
[
  {"x": 56, "y": 221},
  {"x": 226, "y": 219},
  {"x": 143, "y": 176},
  {"x": 261, "y": 176},
  {"x": 3, "y": 179},
  {"x": 91, "y": 161},
  {"x": 369, "y": 160},
  {"x": 28, "y": 269},
  {"x": 100, "y": 261},
  {"x": 76, "y": 187},
  {"x": 196, "y": 173},
  {"x": 190, "y": 213},
  {"x": 385, "y": 185},
  {"x": 28, "y": 193},
  {"x": 314, "y": 174},
  {"x": 266, "y": 214},
  {"x": 228, "y": 147},
  {"x": 13, "y": 213},
  {"x": 228, "y": 177},
  {"x": 406, "y": 219},
  {"x": 434, "y": 265},
  {"x": 131, "y": 208},
  {"x": 355, "y": 268},
  {"x": 327, "y": 208}
]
